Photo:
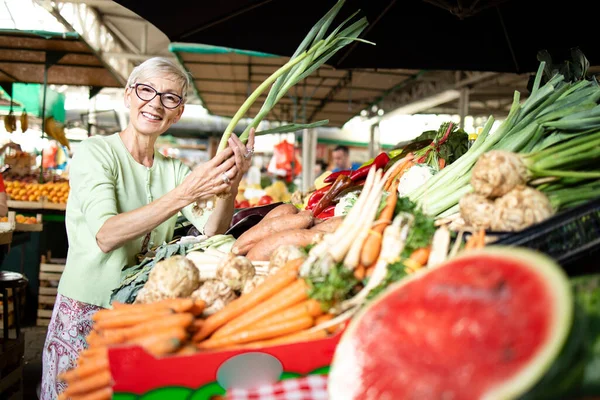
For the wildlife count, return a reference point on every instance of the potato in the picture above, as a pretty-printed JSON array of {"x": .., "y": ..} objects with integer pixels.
[
  {"x": 283, "y": 209},
  {"x": 269, "y": 227},
  {"x": 263, "y": 250},
  {"x": 329, "y": 225}
]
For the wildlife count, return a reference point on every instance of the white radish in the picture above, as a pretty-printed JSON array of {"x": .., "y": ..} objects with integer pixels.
[
  {"x": 368, "y": 216},
  {"x": 440, "y": 244},
  {"x": 392, "y": 244}
]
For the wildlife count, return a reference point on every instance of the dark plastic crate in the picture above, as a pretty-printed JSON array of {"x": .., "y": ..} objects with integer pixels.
[{"x": 571, "y": 237}]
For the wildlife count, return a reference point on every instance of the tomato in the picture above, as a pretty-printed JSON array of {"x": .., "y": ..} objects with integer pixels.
[
  {"x": 243, "y": 204},
  {"x": 264, "y": 200}
]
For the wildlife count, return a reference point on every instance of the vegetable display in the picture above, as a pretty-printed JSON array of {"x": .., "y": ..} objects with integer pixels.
[
  {"x": 426, "y": 312},
  {"x": 555, "y": 133}
]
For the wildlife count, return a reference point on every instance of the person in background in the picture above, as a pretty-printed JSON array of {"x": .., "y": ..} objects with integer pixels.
[
  {"x": 320, "y": 167},
  {"x": 341, "y": 159},
  {"x": 124, "y": 200}
]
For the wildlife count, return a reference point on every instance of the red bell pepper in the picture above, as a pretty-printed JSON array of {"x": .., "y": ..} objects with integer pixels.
[
  {"x": 327, "y": 213},
  {"x": 380, "y": 161},
  {"x": 333, "y": 176}
]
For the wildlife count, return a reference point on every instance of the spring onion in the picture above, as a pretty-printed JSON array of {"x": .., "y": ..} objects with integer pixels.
[
  {"x": 554, "y": 134},
  {"x": 312, "y": 53}
]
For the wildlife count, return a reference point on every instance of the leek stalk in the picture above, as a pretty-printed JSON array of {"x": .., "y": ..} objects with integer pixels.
[{"x": 310, "y": 55}]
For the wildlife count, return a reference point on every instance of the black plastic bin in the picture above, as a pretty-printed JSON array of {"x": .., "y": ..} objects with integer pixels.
[{"x": 571, "y": 237}]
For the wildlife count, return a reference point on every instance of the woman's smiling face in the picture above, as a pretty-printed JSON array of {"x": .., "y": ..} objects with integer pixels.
[{"x": 152, "y": 117}]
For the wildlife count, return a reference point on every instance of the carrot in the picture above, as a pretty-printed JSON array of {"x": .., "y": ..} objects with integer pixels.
[
  {"x": 372, "y": 244},
  {"x": 93, "y": 382},
  {"x": 100, "y": 394},
  {"x": 369, "y": 271},
  {"x": 117, "y": 304},
  {"x": 122, "y": 335},
  {"x": 476, "y": 240},
  {"x": 359, "y": 272},
  {"x": 163, "y": 342},
  {"x": 197, "y": 325},
  {"x": 198, "y": 307},
  {"x": 183, "y": 320},
  {"x": 186, "y": 350},
  {"x": 323, "y": 318},
  {"x": 301, "y": 336},
  {"x": 398, "y": 170},
  {"x": 254, "y": 334},
  {"x": 482, "y": 238},
  {"x": 421, "y": 255},
  {"x": 125, "y": 310},
  {"x": 93, "y": 352},
  {"x": 289, "y": 296},
  {"x": 131, "y": 319},
  {"x": 441, "y": 163},
  {"x": 271, "y": 285},
  {"x": 91, "y": 367},
  {"x": 309, "y": 307}
]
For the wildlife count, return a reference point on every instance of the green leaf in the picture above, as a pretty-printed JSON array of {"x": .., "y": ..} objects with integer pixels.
[{"x": 338, "y": 284}]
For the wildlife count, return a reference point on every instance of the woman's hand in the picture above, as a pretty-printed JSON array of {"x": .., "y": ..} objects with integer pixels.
[
  {"x": 243, "y": 156},
  {"x": 211, "y": 178}
]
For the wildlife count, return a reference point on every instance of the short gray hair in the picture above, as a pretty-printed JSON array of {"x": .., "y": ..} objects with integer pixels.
[{"x": 160, "y": 66}]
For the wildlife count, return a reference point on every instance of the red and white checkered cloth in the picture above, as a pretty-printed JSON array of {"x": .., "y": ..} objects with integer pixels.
[{"x": 312, "y": 387}]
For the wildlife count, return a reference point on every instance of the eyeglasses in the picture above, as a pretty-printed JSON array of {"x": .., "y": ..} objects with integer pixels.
[{"x": 147, "y": 93}]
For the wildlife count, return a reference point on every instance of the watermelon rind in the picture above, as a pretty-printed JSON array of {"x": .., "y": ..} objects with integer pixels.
[
  {"x": 344, "y": 377},
  {"x": 565, "y": 377}
]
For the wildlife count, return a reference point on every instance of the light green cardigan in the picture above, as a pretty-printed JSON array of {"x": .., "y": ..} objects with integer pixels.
[{"x": 105, "y": 180}]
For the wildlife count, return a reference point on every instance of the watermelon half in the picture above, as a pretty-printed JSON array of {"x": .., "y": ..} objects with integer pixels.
[{"x": 485, "y": 325}]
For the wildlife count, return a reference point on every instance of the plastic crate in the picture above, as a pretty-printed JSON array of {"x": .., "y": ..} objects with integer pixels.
[{"x": 571, "y": 237}]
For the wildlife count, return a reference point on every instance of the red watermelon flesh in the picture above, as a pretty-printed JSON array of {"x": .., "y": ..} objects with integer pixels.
[{"x": 457, "y": 332}]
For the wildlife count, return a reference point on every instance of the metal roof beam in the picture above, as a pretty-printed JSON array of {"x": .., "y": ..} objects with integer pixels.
[
  {"x": 81, "y": 17},
  {"x": 122, "y": 37},
  {"x": 135, "y": 57},
  {"x": 422, "y": 95}
]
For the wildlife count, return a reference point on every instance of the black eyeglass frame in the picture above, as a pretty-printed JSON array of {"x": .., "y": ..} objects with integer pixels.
[{"x": 156, "y": 93}]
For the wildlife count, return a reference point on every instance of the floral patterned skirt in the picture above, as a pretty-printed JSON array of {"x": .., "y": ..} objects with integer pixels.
[{"x": 70, "y": 324}]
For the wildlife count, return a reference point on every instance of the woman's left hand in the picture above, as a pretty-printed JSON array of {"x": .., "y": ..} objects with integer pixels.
[{"x": 243, "y": 157}]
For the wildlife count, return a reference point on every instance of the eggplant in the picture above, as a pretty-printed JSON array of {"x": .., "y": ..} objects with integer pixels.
[{"x": 258, "y": 210}]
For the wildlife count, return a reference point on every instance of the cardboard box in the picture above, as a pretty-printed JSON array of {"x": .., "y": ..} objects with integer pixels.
[{"x": 208, "y": 374}]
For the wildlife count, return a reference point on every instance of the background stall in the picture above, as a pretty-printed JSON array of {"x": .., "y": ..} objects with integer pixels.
[{"x": 44, "y": 58}]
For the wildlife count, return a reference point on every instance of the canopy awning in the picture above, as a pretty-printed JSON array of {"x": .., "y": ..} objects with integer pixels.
[
  {"x": 25, "y": 54},
  {"x": 224, "y": 78}
]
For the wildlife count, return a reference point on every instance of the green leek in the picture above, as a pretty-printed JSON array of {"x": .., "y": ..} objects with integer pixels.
[{"x": 311, "y": 54}]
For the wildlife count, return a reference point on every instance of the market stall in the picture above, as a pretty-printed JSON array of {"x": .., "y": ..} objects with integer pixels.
[
  {"x": 395, "y": 280},
  {"x": 46, "y": 58}
]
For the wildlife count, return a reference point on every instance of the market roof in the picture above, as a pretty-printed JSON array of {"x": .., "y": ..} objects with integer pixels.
[
  {"x": 25, "y": 54},
  {"x": 224, "y": 78},
  {"x": 471, "y": 35}
]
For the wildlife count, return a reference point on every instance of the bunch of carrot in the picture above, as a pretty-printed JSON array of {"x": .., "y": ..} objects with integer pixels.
[
  {"x": 276, "y": 312},
  {"x": 161, "y": 328},
  {"x": 372, "y": 244}
]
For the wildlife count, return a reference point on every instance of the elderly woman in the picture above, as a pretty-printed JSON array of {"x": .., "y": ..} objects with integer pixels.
[{"x": 124, "y": 199}]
